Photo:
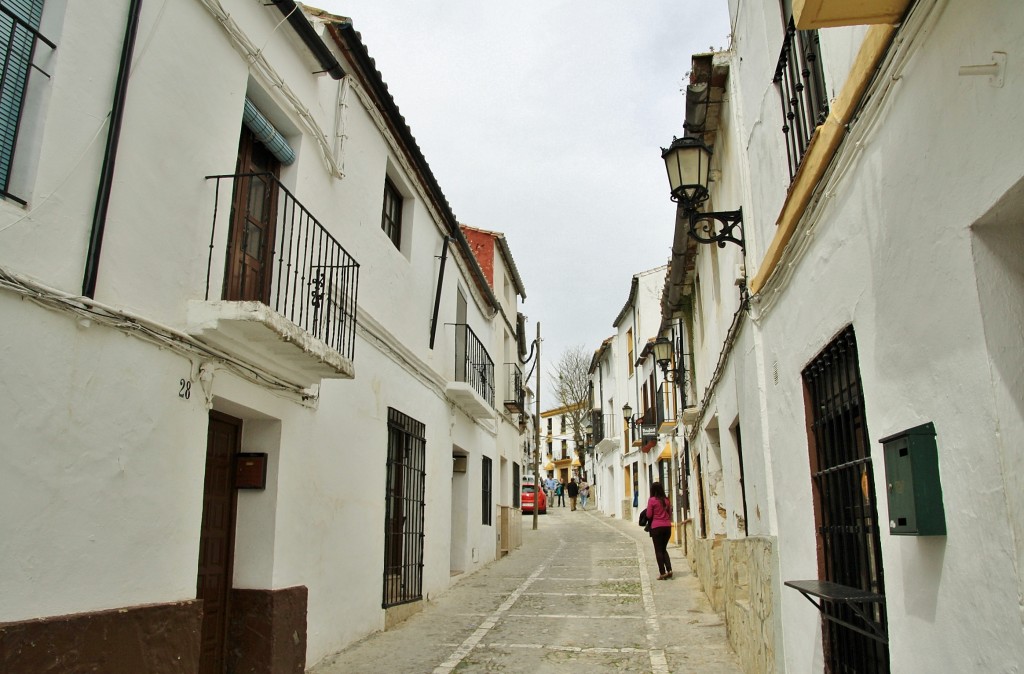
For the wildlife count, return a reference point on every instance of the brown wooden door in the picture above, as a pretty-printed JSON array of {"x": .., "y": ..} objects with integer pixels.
[
  {"x": 216, "y": 541},
  {"x": 253, "y": 218}
]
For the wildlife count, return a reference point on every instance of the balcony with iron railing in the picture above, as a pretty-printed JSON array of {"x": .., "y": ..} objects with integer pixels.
[
  {"x": 607, "y": 429},
  {"x": 645, "y": 428},
  {"x": 515, "y": 392},
  {"x": 666, "y": 406},
  {"x": 280, "y": 289},
  {"x": 800, "y": 80},
  {"x": 473, "y": 385}
]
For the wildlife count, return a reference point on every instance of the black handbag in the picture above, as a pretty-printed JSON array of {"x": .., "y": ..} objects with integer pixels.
[{"x": 643, "y": 521}]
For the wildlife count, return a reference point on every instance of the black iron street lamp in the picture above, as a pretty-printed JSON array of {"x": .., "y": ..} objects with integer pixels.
[
  {"x": 627, "y": 414},
  {"x": 663, "y": 356},
  {"x": 688, "y": 162}
]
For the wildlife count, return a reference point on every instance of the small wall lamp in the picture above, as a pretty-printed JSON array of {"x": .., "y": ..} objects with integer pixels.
[
  {"x": 663, "y": 356},
  {"x": 687, "y": 161}
]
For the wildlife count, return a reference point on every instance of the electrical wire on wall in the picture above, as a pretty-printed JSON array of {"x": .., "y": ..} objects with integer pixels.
[
  {"x": 723, "y": 358},
  {"x": 88, "y": 311},
  {"x": 259, "y": 65}
]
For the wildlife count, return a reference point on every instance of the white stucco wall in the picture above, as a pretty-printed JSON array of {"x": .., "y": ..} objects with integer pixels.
[
  {"x": 101, "y": 473},
  {"x": 893, "y": 253}
]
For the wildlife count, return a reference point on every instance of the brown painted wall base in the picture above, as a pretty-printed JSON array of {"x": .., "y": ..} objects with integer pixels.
[
  {"x": 268, "y": 631},
  {"x": 154, "y": 638}
]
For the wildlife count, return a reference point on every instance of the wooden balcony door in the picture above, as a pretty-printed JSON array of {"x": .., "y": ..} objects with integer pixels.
[{"x": 253, "y": 219}]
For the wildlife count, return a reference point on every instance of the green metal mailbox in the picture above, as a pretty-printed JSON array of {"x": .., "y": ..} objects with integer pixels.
[{"x": 912, "y": 480}]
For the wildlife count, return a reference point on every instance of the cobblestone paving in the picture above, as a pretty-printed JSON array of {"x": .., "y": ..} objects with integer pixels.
[{"x": 581, "y": 594}]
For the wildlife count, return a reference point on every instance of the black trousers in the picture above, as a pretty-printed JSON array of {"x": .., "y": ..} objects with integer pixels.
[{"x": 660, "y": 537}]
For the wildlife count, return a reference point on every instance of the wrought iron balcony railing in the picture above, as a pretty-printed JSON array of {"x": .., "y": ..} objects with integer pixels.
[
  {"x": 666, "y": 403},
  {"x": 605, "y": 426},
  {"x": 515, "y": 393},
  {"x": 473, "y": 365},
  {"x": 279, "y": 254},
  {"x": 645, "y": 427},
  {"x": 801, "y": 83}
]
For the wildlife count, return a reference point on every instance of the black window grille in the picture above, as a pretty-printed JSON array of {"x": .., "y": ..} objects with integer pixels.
[
  {"x": 702, "y": 511},
  {"x": 391, "y": 218},
  {"x": 841, "y": 471},
  {"x": 403, "y": 522},
  {"x": 486, "y": 483},
  {"x": 19, "y": 33},
  {"x": 738, "y": 438},
  {"x": 515, "y": 485},
  {"x": 801, "y": 83}
]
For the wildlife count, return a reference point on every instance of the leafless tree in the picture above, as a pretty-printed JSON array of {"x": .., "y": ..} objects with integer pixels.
[{"x": 570, "y": 385}]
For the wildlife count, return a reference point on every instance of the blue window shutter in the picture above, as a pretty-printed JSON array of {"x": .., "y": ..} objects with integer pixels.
[{"x": 18, "y": 44}]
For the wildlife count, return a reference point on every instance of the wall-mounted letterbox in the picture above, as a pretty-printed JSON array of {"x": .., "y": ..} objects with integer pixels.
[{"x": 912, "y": 483}]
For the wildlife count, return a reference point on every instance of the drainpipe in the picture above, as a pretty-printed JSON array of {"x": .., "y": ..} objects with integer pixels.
[
  {"x": 440, "y": 282},
  {"x": 99, "y": 218},
  {"x": 308, "y": 35}
]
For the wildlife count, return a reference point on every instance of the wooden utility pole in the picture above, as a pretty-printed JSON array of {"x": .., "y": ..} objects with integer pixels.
[{"x": 536, "y": 437}]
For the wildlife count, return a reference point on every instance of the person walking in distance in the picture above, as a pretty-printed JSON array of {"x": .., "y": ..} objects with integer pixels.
[
  {"x": 560, "y": 493},
  {"x": 660, "y": 516},
  {"x": 584, "y": 493},
  {"x": 574, "y": 492}
]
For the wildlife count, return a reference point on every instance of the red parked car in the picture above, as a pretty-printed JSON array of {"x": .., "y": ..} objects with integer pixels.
[{"x": 528, "y": 493}]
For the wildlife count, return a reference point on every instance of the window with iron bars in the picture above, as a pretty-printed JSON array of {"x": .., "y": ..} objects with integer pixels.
[
  {"x": 847, "y": 519},
  {"x": 515, "y": 485},
  {"x": 404, "y": 515},
  {"x": 800, "y": 79},
  {"x": 486, "y": 482}
]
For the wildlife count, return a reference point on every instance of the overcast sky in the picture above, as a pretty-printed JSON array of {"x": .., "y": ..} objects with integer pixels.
[{"x": 544, "y": 119}]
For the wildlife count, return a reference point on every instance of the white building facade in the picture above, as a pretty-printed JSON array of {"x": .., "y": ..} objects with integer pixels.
[
  {"x": 856, "y": 382},
  {"x": 257, "y": 361},
  {"x": 625, "y": 386}
]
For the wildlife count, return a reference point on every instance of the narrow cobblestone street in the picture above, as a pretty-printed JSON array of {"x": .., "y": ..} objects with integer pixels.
[{"x": 581, "y": 594}]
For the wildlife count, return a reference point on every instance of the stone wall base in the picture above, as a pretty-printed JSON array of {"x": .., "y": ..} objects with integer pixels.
[
  {"x": 737, "y": 576},
  {"x": 155, "y": 638},
  {"x": 267, "y": 631},
  {"x": 397, "y": 614}
]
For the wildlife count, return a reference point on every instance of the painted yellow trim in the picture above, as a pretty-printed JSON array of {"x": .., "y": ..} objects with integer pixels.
[
  {"x": 872, "y": 49},
  {"x": 822, "y": 148},
  {"x": 561, "y": 410},
  {"x": 812, "y": 14}
]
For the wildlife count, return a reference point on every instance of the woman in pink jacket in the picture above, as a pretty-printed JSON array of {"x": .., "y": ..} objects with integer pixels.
[{"x": 660, "y": 515}]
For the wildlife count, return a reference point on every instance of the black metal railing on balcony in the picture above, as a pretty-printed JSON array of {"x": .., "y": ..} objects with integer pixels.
[
  {"x": 473, "y": 365},
  {"x": 801, "y": 83},
  {"x": 515, "y": 393},
  {"x": 20, "y": 40},
  {"x": 666, "y": 403},
  {"x": 606, "y": 425},
  {"x": 597, "y": 426},
  {"x": 646, "y": 426},
  {"x": 301, "y": 270}
]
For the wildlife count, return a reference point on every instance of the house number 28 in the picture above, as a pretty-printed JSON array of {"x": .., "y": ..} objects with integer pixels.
[{"x": 185, "y": 389}]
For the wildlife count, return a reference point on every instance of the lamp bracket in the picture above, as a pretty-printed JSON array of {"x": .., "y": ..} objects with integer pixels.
[{"x": 730, "y": 222}]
